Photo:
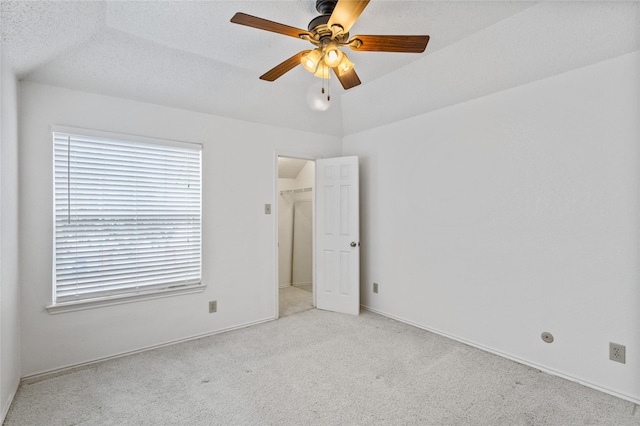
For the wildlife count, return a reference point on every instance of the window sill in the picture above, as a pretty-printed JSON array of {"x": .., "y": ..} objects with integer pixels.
[{"x": 59, "y": 308}]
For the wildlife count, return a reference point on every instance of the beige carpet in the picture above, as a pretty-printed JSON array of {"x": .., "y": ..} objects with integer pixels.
[
  {"x": 315, "y": 368},
  {"x": 294, "y": 300},
  {"x": 307, "y": 287}
]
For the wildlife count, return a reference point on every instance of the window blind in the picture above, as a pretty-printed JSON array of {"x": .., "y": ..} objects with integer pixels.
[{"x": 127, "y": 217}]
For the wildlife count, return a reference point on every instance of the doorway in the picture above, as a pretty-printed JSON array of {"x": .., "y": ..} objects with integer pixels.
[{"x": 295, "y": 210}]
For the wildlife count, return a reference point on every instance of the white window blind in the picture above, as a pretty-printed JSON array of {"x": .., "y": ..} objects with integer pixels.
[{"x": 127, "y": 217}]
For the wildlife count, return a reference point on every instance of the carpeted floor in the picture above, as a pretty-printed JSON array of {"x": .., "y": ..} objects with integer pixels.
[
  {"x": 294, "y": 300},
  {"x": 315, "y": 368},
  {"x": 307, "y": 287}
]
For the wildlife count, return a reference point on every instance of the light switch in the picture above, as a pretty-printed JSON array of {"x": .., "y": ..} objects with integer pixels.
[{"x": 267, "y": 209}]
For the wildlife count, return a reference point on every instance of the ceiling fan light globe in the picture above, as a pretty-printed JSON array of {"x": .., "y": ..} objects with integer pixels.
[
  {"x": 333, "y": 56},
  {"x": 310, "y": 60},
  {"x": 344, "y": 66},
  {"x": 316, "y": 99},
  {"x": 323, "y": 72}
]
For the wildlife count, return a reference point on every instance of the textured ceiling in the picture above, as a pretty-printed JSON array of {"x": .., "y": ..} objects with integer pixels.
[{"x": 188, "y": 55}]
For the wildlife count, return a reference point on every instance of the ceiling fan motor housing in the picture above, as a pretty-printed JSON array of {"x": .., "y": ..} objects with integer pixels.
[
  {"x": 318, "y": 25},
  {"x": 326, "y": 7}
]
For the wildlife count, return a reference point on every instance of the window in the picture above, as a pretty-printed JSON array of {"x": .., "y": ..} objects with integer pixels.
[{"x": 127, "y": 218}]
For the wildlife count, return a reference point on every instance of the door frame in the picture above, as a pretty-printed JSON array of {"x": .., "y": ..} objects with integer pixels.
[{"x": 274, "y": 212}]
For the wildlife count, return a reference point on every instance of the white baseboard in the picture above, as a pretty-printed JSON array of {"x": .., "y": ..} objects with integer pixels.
[
  {"x": 47, "y": 374},
  {"x": 507, "y": 356},
  {"x": 7, "y": 403}
]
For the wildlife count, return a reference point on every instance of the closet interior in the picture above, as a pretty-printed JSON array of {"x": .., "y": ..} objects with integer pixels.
[{"x": 295, "y": 223}]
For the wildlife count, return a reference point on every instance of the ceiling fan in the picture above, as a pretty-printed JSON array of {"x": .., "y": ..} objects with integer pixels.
[{"x": 328, "y": 33}]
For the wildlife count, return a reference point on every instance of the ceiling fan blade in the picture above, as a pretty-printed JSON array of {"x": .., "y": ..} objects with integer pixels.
[
  {"x": 349, "y": 79},
  {"x": 263, "y": 24},
  {"x": 390, "y": 43},
  {"x": 282, "y": 68},
  {"x": 346, "y": 13}
]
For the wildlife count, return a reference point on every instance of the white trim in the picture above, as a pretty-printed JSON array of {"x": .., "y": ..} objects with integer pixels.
[
  {"x": 123, "y": 137},
  {"x": 507, "y": 356},
  {"x": 296, "y": 155},
  {"x": 48, "y": 374},
  {"x": 5, "y": 409},
  {"x": 119, "y": 299}
]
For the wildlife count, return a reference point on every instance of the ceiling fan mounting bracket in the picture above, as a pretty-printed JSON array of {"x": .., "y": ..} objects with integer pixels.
[
  {"x": 355, "y": 44},
  {"x": 307, "y": 37},
  {"x": 338, "y": 31}
]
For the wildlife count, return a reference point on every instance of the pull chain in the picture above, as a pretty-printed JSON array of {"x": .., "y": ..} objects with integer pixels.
[{"x": 328, "y": 89}]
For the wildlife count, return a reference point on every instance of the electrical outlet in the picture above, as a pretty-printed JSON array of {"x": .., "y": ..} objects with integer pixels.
[
  {"x": 213, "y": 306},
  {"x": 617, "y": 352},
  {"x": 375, "y": 287}
]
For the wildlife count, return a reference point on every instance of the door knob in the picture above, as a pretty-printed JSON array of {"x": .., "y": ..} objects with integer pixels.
[{"x": 353, "y": 244}]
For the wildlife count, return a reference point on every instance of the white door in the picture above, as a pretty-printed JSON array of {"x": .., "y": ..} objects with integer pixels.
[{"x": 337, "y": 235}]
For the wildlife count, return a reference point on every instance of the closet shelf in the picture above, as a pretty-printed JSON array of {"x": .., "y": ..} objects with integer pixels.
[{"x": 296, "y": 191}]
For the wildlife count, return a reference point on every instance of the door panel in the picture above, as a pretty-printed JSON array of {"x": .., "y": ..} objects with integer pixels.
[{"x": 337, "y": 235}]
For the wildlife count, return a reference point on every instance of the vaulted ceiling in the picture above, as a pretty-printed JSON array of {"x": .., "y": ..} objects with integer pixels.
[{"x": 186, "y": 54}]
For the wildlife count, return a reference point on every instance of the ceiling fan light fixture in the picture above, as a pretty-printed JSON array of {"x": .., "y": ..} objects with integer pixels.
[
  {"x": 310, "y": 60},
  {"x": 323, "y": 71},
  {"x": 332, "y": 55},
  {"x": 344, "y": 66}
]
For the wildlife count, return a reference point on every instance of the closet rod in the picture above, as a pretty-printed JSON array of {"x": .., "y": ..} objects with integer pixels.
[{"x": 296, "y": 191}]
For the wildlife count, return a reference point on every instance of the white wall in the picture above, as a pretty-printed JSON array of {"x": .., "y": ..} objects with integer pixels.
[
  {"x": 285, "y": 231},
  {"x": 9, "y": 288},
  {"x": 302, "y": 269},
  {"x": 303, "y": 226},
  {"x": 238, "y": 238},
  {"x": 306, "y": 178},
  {"x": 497, "y": 219}
]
